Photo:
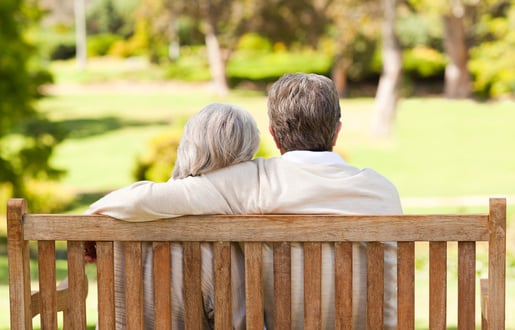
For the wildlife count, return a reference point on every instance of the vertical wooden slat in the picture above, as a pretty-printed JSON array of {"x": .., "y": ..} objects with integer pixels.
[
  {"x": 223, "y": 292},
  {"x": 105, "y": 285},
  {"x": 254, "y": 285},
  {"x": 497, "y": 264},
  {"x": 406, "y": 285},
  {"x": 312, "y": 285},
  {"x": 193, "y": 309},
  {"x": 466, "y": 285},
  {"x": 437, "y": 285},
  {"x": 375, "y": 285},
  {"x": 47, "y": 288},
  {"x": 282, "y": 285},
  {"x": 162, "y": 285},
  {"x": 18, "y": 254},
  {"x": 76, "y": 315},
  {"x": 343, "y": 285},
  {"x": 133, "y": 284}
]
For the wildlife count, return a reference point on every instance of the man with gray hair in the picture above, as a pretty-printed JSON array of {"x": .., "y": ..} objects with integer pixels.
[{"x": 308, "y": 177}]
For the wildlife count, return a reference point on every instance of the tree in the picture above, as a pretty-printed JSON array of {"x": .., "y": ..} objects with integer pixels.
[
  {"x": 457, "y": 76},
  {"x": 27, "y": 138},
  {"x": 388, "y": 89}
]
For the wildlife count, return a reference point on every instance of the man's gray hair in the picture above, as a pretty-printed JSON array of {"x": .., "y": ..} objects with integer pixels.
[
  {"x": 304, "y": 112},
  {"x": 217, "y": 136}
]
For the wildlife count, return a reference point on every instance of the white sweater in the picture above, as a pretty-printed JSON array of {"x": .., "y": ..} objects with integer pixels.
[{"x": 297, "y": 182}]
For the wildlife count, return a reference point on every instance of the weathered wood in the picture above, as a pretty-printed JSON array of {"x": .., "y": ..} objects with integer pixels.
[
  {"x": 254, "y": 286},
  {"x": 193, "y": 309},
  {"x": 375, "y": 285},
  {"x": 223, "y": 291},
  {"x": 162, "y": 285},
  {"x": 133, "y": 284},
  {"x": 343, "y": 285},
  {"x": 269, "y": 228},
  {"x": 437, "y": 285},
  {"x": 19, "y": 272},
  {"x": 466, "y": 285},
  {"x": 312, "y": 285},
  {"x": 282, "y": 285},
  {"x": 105, "y": 285},
  {"x": 76, "y": 314},
  {"x": 497, "y": 264},
  {"x": 254, "y": 232},
  {"x": 48, "y": 299},
  {"x": 406, "y": 285}
]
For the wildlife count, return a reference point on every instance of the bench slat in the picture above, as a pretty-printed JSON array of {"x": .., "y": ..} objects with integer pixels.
[
  {"x": 437, "y": 285},
  {"x": 254, "y": 286},
  {"x": 406, "y": 285},
  {"x": 105, "y": 285},
  {"x": 466, "y": 285},
  {"x": 312, "y": 285},
  {"x": 343, "y": 285},
  {"x": 133, "y": 285},
  {"x": 47, "y": 288},
  {"x": 282, "y": 286},
  {"x": 269, "y": 228},
  {"x": 75, "y": 318},
  {"x": 375, "y": 285},
  {"x": 193, "y": 309},
  {"x": 223, "y": 291},
  {"x": 162, "y": 285}
]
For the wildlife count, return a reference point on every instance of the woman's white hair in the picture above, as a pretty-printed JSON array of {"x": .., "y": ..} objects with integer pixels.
[{"x": 217, "y": 136}]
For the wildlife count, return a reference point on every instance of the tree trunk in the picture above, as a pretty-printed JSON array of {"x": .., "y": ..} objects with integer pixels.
[
  {"x": 388, "y": 90},
  {"x": 457, "y": 77},
  {"x": 80, "y": 34},
  {"x": 339, "y": 76},
  {"x": 216, "y": 64}
]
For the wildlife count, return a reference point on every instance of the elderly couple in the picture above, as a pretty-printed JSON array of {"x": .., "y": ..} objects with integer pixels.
[{"x": 215, "y": 174}]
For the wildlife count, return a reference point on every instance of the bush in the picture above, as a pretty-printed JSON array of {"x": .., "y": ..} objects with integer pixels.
[
  {"x": 99, "y": 44},
  {"x": 63, "y": 52},
  {"x": 47, "y": 196},
  {"x": 423, "y": 62}
]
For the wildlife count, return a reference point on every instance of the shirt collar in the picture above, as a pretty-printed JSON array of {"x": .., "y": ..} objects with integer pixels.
[{"x": 313, "y": 157}]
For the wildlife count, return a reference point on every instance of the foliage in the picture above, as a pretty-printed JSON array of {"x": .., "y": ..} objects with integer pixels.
[
  {"x": 100, "y": 44},
  {"x": 27, "y": 138},
  {"x": 111, "y": 16},
  {"x": 48, "y": 196},
  {"x": 492, "y": 61},
  {"x": 424, "y": 62}
]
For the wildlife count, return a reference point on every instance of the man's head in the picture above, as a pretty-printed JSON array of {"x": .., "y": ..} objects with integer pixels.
[{"x": 304, "y": 112}]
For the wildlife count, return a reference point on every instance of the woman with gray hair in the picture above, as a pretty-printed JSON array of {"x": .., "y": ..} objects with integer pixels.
[{"x": 218, "y": 136}]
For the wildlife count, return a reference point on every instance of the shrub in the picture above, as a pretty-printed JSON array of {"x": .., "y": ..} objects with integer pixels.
[
  {"x": 63, "y": 51},
  {"x": 47, "y": 196},
  {"x": 99, "y": 44},
  {"x": 423, "y": 62}
]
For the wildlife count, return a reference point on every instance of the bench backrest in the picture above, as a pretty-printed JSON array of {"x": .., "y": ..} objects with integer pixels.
[{"x": 253, "y": 231}]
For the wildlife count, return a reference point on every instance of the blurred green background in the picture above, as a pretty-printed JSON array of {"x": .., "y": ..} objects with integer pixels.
[{"x": 77, "y": 123}]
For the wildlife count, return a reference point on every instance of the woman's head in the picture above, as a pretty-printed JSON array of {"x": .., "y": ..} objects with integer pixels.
[
  {"x": 304, "y": 112},
  {"x": 217, "y": 136}
]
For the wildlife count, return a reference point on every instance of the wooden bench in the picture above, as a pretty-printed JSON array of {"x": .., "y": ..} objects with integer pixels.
[{"x": 253, "y": 231}]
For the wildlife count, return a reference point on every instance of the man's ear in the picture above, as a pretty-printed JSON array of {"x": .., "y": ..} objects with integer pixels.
[
  {"x": 277, "y": 143},
  {"x": 337, "y": 133}
]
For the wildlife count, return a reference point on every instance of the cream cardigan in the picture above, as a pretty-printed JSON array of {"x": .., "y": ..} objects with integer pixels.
[{"x": 276, "y": 185}]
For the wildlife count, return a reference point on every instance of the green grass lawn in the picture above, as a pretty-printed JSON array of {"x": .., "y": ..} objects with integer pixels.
[{"x": 440, "y": 148}]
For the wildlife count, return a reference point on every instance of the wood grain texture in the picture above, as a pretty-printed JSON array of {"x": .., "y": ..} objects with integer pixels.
[
  {"x": 406, "y": 285},
  {"x": 105, "y": 285},
  {"x": 76, "y": 314},
  {"x": 375, "y": 285},
  {"x": 162, "y": 285},
  {"x": 282, "y": 286},
  {"x": 193, "y": 309},
  {"x": 254, "y": 286},
  {"x": 47, "y": 281},
  {"x": 269, "y": 228},
  {"x": 223, "y": 291},
  {"x": 438, "y": 285},
  {"x": 312, "y": 285},
  {"x": 466, "y": 285},
  {"x": 133, "y": 285},
  {"x": 343, "y": 285}
]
